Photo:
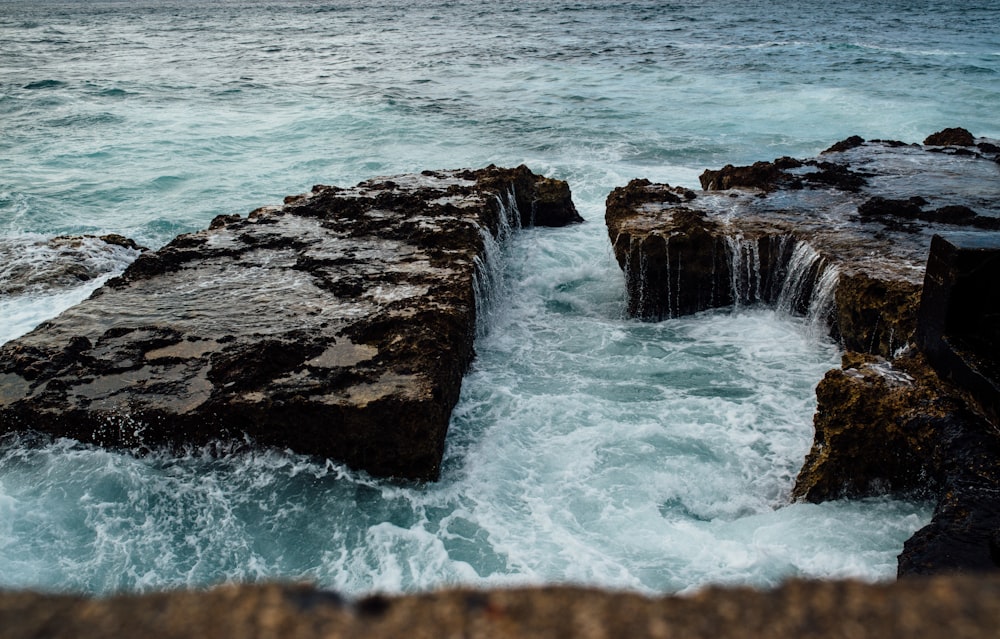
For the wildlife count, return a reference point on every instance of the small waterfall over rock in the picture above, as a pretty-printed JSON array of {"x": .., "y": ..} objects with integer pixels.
[
  {"x": 783, "y": 272},
  {"x": 744, "y": 269},
  {"x": 809, "y": 284},
  {"x": 757, "y": 268},
  {"x": 489, "y": 283},
  {"x": 821, "y": 302},
  {"x": 679, "y": 274}
]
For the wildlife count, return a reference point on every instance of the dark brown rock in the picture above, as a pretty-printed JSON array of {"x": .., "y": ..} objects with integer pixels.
[
  {"x": 873, "y": 430},
  {"x": 540, "y": 201},
  {"x": 682, "y": 256},
  {"x": 959, "y": 323},
  {"x": 840, "y": 224},
  {"x": 846, "y": 144},
  {"x": 831, "y": 175},
  {"x": 772, "y": 176},
  {"x": 899, "y": 214},
  {"x": 683, "y": 237},
  {"x": 875, "y": 314},
  {"x": 115, "y": 239},
  {"x": 938, "y": 608},
  {"x": 950, "y": 137},
  {"x": 879, "y": 207},
  {"x": 912, "y": 428},
  {"x": 339, "y": 324},
  {"x": 896, "y": 427},
  {"x": 962, "y": 537},
  {"x": 845, "y": 240},
  {"x": 759, "y": 175}
]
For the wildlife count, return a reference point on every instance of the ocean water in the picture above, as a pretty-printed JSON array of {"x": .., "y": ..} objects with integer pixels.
[{"x": 586, "y": 448}]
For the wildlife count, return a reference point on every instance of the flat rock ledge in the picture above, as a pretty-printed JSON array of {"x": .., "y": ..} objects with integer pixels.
[
  {"x": 941, "y": 607},
  {"x": 844, "y": 239},
  {"x": 339, "y": 324}
]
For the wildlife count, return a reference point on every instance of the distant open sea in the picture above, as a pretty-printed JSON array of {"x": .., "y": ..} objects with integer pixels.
[{"x": 586, "y": 448}]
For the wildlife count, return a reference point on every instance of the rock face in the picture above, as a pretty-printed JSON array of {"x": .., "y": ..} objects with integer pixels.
[
  {"x": 844, "y": 239},
  {"x": 939, "y": 608},
  {"x": 907, "y": 426},
  {"x": 339, "y": 324},
  {"x": 959, "y": 327},
  {"x": 897, "y": 427}
]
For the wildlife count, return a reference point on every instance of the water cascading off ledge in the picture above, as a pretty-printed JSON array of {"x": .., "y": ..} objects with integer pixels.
[
  {"x": 683, "y": 252},
  {"x": 843, "y": 239}
]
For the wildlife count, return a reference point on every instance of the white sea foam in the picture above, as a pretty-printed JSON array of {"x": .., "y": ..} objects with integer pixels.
[
  {"x": 585, "y": 447},
  {"x": 41, "y": 276}
]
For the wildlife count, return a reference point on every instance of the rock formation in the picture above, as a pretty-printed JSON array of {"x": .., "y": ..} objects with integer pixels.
[
  {"x": 924, "y": 423},
  {"x": 844, "y": 238},
  {"x": 794, "y": 232},
  {"x": 897, "y": 427},
  {"x": 959, "y": 327},
  {"x": 943, "y": 607},
  {"x": 339, "y": 324}
]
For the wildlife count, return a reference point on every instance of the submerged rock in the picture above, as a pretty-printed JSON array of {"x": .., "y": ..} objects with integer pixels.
[
  {"x": 942, "y": 607},
  {"x": 339, "y": 324},
  {"x": 32, "y": 264}
]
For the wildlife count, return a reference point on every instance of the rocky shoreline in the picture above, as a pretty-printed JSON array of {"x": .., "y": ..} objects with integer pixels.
[
  {"x": 339, "y": 324},
  {"x": 844, "y": 238},
  {"x": 61, "y": 262}
]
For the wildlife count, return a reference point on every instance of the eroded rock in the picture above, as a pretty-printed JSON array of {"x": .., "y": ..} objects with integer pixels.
[
  {"x": 926, "y": 423},
  {"x": 843, "y": 238},
  {"x": 897, "y": 427},
  {"x": 339, "y": 324}
]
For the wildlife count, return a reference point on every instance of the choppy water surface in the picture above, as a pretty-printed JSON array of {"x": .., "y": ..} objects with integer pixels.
[{"x": 585, "y": 448}]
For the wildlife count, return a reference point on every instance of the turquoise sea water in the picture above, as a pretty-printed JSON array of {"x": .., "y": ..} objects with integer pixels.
[{"x": 586, "y": 448}]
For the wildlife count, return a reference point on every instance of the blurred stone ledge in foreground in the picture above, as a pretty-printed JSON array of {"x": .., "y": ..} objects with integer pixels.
[
  {"x": 339, "y": 325},
  {"x": 844, "y": 239},
  {"x": 955, "y": 607}
]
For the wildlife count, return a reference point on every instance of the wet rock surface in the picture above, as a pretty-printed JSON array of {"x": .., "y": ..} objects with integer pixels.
[
  {"x": 959, "y": 323},
  {"x": 339, "y": 324},
  {"x": 897, "y": 427},
  {"x": 925, "y": 423},
  {"x": 856, "y": 223},
  {"x": 35, "y": 264},
  {"x": 844, "y": 238},
  {"x": 945, "y": 607},
  {"x": 956, "y": 136}
]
